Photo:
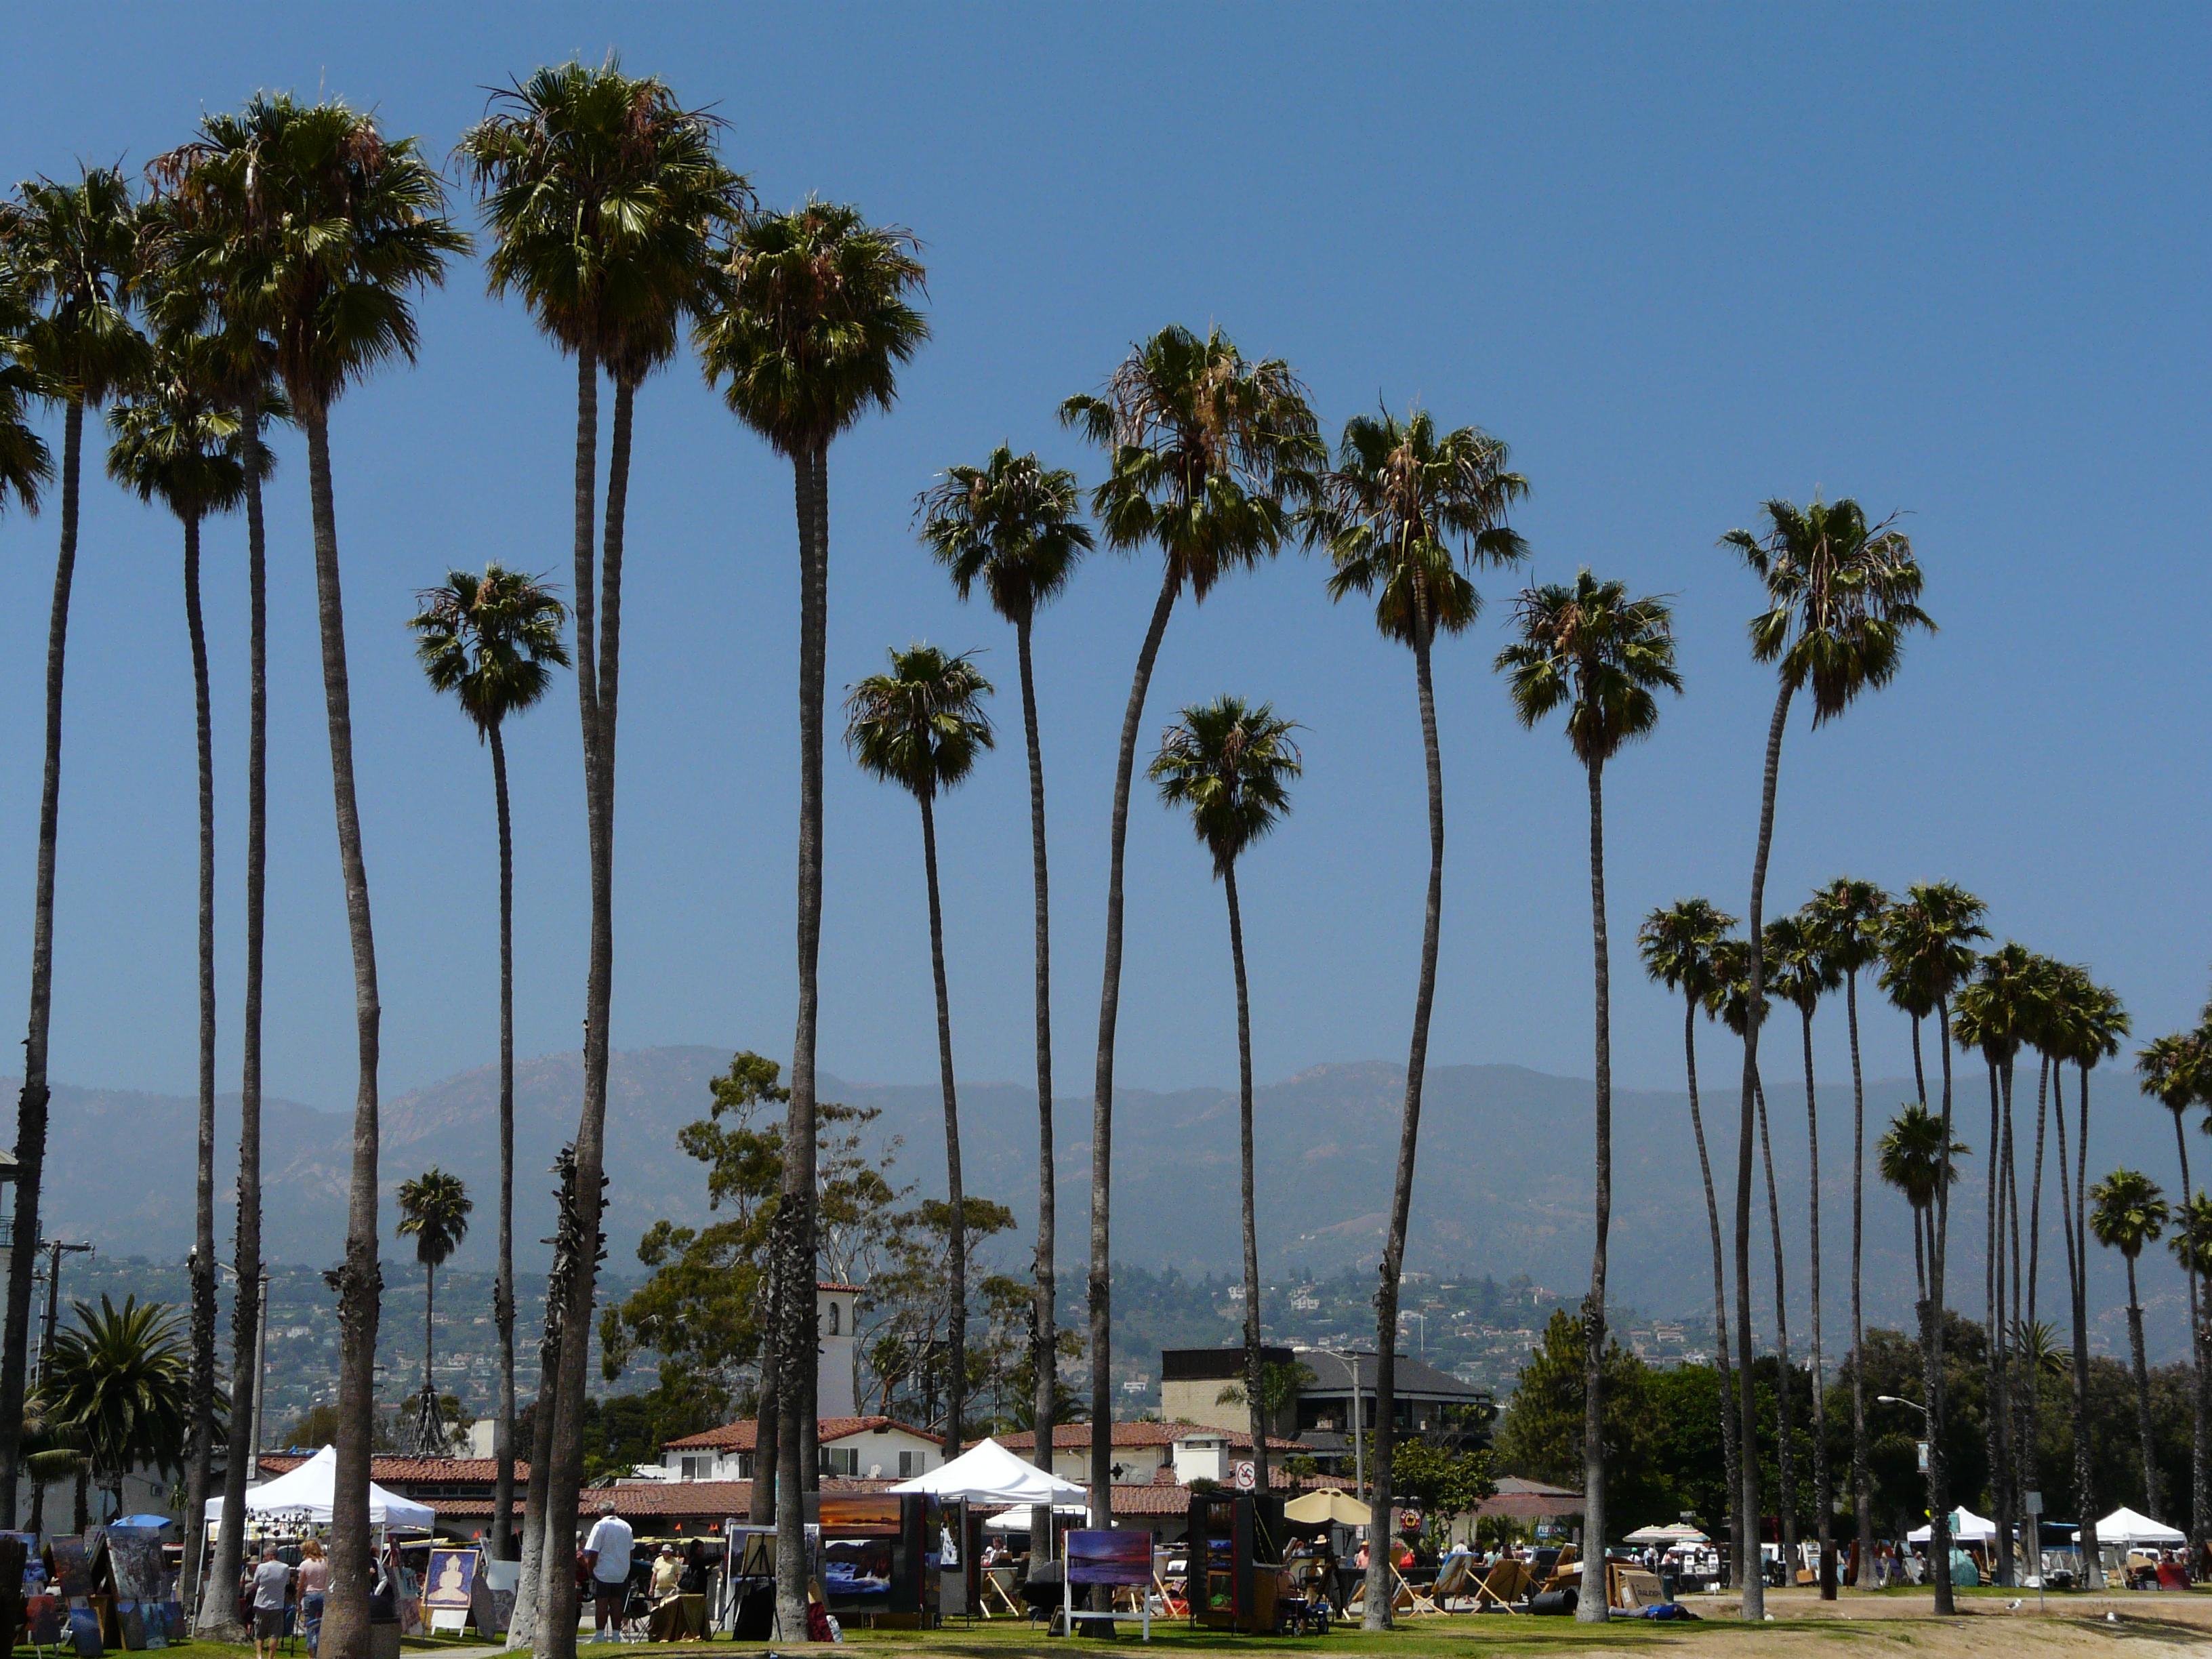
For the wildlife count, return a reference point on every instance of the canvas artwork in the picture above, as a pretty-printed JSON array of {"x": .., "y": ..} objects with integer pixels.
[
  {"x": 496, "y": 1583},
  {"x": 72, "y": 1568},
  {"x": 84, "y": 1631},
  {"x": 43, "y": 1615},
  {"x": 140, "y": 1572},
  {"x": 130, "y": 1626},
  {"x": 452, "y": 1578}
]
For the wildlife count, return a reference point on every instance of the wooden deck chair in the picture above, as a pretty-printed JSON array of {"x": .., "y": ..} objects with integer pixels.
[
  {"x": 1176, "y": 1607},
  {"x": 994, "y": 1587},
  {"x": 1408, "y": 1599}
]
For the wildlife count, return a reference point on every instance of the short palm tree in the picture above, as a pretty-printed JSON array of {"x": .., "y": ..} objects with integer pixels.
[
  {"x": 1841, "y": 594},
  {"x": 1010, "y": 525},
  {"x": 1588, "y": 648},
  {"x": 811, "y": 320},
  {"x": 2128, "y": 1211},
  {"x": 71, "y": 251},
  {"x": 921, "y": 727},
  {"x": 1210, "y": 455},
  {"x": 604, "y": 195},
  {"x": 1848, "y": 912},
  {"x": 1803, "y": 973},
  {"x": 313, "y": 230},
  {"x": 1927, "y": 941},
  {"x": 1678, "y": 943},
  {"x": 118, "y": 1384},
  {"x": 434, "y": 1212},
  {"x": 1402, "y": 510},
  {"x": 2176, "y": 1073},
  {"x": 1229, "y": 763},
  {"x": 493, "y": 641}
]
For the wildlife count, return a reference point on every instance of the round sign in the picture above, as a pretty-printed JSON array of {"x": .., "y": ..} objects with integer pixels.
[
  {"x": 1410, "y": 1520},
  {"x": 1248, "y": 1478}
]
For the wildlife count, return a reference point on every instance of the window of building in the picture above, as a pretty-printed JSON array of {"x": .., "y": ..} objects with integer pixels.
[
  {"x": 906, "y": 1465},
  {"x": 841, "y": 1459},
  {"x": 833, "y": 1319},
  {"x": 745, "y": 1465},
  {"x": 699, "y": 1468}
]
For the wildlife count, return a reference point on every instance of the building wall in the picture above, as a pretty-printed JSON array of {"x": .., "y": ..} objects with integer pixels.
[
  {"x": 889, "y": 1454},
  {"x": 1198, "y": 1400}
]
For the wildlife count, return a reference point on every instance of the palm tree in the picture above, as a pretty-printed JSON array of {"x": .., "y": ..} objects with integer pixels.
[
  {"x": 2191, "y": 1244},
  {"x": 604, "y": 195},
  {"x": 1678, "y": 943},
  {"x": 811, "y": 323},
  {"x": 433, "y": 1211},
  {"x": 1230, "y": 763},
  {"x": 1590, "y": 649},
  {"x": 921, "y": 727},
  {"x": 1849, "y": 913},
  {"x": 179, "y": 440},
  {"x": 71, "y": 250},
  {"x": 1209, "y": 454},
  {"x": 1400, "y": 512},
  {"x": 1804, "y": 972},
  {"x": 1913, "y": 1156},
  {"x": 1011, "y": 524},
  {"x": 2176, "y": 1073},
  {"x": 118, "y": 1385},
  {"x": 1928, "y": 951},
  {"x": 1841, "y": 594},
  {"x": 2127, "y": 1211},
  {"x": 25, "y": 464},
  {"x": 320, "y": 228},
  {"x": 493, "y": 641}
]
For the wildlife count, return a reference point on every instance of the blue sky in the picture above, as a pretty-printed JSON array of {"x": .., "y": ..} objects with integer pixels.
[{"x": 1681, "y": 259}]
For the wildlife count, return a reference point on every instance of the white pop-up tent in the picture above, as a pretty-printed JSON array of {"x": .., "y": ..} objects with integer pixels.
[
  {"x": 1967, "y": 1527},
  {"x": 988, "y": 1473},
  {"x": 2127, "y": 1526},
  {"x": 304, "y": 1495}
]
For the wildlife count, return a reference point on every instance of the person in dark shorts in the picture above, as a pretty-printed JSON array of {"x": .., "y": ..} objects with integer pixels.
[{"x": 271, "y": 1580}]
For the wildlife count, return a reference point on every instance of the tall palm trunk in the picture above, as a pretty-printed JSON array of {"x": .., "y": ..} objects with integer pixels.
[
  {"x": 1747, "y": 1542},
  {"x": 1377, "y": 1615},
  {"x": 768, "y": 1411},
  {"x": 361, "y": 1280},
  {"x": 1101, "y": 1285},
  {"x": 2001, "y": 1259},
  {"x": 199, "y": 1471},
  {"x": 530, "y": 1585},
  {"x": 795, "y": 1219},
  {"x": 1044, "y": 1316},
  {"x": 1729, "y": 1449},
  {"x": 1595, "y": 1604},
  {"x": 31, "y": 1108},
  {"x": 1255, "y": 1381},
  {"x": 1824, "y": 1484},
  {"x": 956, "y": 1407},
  {"x": 431, "y": 1431},
  {"x": 599, "y": 668},
  {"x": 216, "y": 1614},
  {"x": 2146, "y": 1446},
  {"x": 2077, "y": 1275},
  {"x": 502, "y": 1296},
  {"x": 2200, "y": 1504},
  {"x": 1785, "y": 1478},
  {"x": 1861, "y": 1484},
  {"x": 1931, "y": 1339}
]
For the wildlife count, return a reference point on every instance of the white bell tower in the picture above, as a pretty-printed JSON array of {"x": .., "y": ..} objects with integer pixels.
[{"x": 833, "y": 1326}]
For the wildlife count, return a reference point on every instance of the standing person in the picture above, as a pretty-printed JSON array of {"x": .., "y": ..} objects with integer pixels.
[
  {"x": 314, "y": 1573},
  {"x": 271, "y": 1580},
  {"x": 607, "y": 1551}
]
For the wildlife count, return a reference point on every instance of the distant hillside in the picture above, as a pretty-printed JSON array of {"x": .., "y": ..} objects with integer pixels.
[{"x": 1502, "y": 1185}]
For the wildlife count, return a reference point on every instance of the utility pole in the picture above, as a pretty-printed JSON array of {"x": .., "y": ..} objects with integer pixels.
[{"x": 55, "y": 1249}]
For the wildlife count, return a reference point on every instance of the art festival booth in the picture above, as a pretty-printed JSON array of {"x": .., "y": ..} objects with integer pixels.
[
  {"x": 1969, "y": 1533},
  {"x": 987, "y": 1476}
]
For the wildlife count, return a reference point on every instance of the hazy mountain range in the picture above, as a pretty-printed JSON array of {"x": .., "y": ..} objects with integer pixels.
[{"x": 1502, "y": 1185}]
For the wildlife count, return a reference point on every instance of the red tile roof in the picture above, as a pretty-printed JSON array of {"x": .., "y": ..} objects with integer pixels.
[
  {"x": 742, "y": 1435},
  {"x": 384, "y": 1470},
  {"x": 1072, "y": 1436}
]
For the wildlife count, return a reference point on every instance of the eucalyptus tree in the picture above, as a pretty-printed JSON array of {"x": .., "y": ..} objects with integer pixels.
[
  {"x": 1849, "y": 913},
  {"x": 1804, "y": 972},
  {"x": 2127, "y": 1212},
  {"x": 70, "y": 251},
  {"x": 177, "y": 439},
  {"x": 1679, "y": 943},
  {"x": 1841, "y": 595},
  {"x": 493, "y": 641},
  {"x": 1011, "y": 525},
  {"x": 433, "y": 1211},
  {"x": 1588, "y": 648},
  {"x": 1927, "y": 941},
  {"x": 1229, "y": 763},
  {"x": 1210, "y": 456},
  {"x": 2176, "y": 1073},
  {"x": 327, "y": 226},
  {"x": 603, "y": 195},
  {"x": 921, "y": 727}
]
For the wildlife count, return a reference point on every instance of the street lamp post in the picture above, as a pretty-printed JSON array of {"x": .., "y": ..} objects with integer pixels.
[{"x": 260, "y": 1373}]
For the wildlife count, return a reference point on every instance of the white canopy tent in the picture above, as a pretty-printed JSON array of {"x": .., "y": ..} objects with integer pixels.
[
  {"x": 1967, "y": 1527},
  {"x": 305, "y": 1495},
  {"x": 988, "y": 1474},
  {"x": 1679, "y": 1531},
  {"x": 1017, "y": 1520},
  {"x": 2127, "y": 1526}
]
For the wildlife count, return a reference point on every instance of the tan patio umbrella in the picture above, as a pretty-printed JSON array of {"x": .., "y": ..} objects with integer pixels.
[{"x": 1325, "y": 1504}]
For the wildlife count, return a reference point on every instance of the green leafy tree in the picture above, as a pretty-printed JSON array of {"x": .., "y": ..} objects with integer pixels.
[
  {"x": 1541, "y": 1432},
  {"x": 1012, "y": 527},
  {"x": 1230, "y": 764},
  {"x": 1443, "y": 1482},
  {"x": 1210, "y": 455},
  {"x": 1591, "y": 650},
  {"x": 118, "y": 1384},
  {"x": 1399, "y": 513},
  {"x": 2127, "y": 1212},
  {"x": 434, "y": 1212},
  {"x": 1841, "y": 595},
  {"x": 921, "y": 727},
  {"x": 70, "y": 251},
  {"x": 493, "y": 642}
]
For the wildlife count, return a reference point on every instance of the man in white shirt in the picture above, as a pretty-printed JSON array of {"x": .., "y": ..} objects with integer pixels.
[{"x": 608, "y": 1549}]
